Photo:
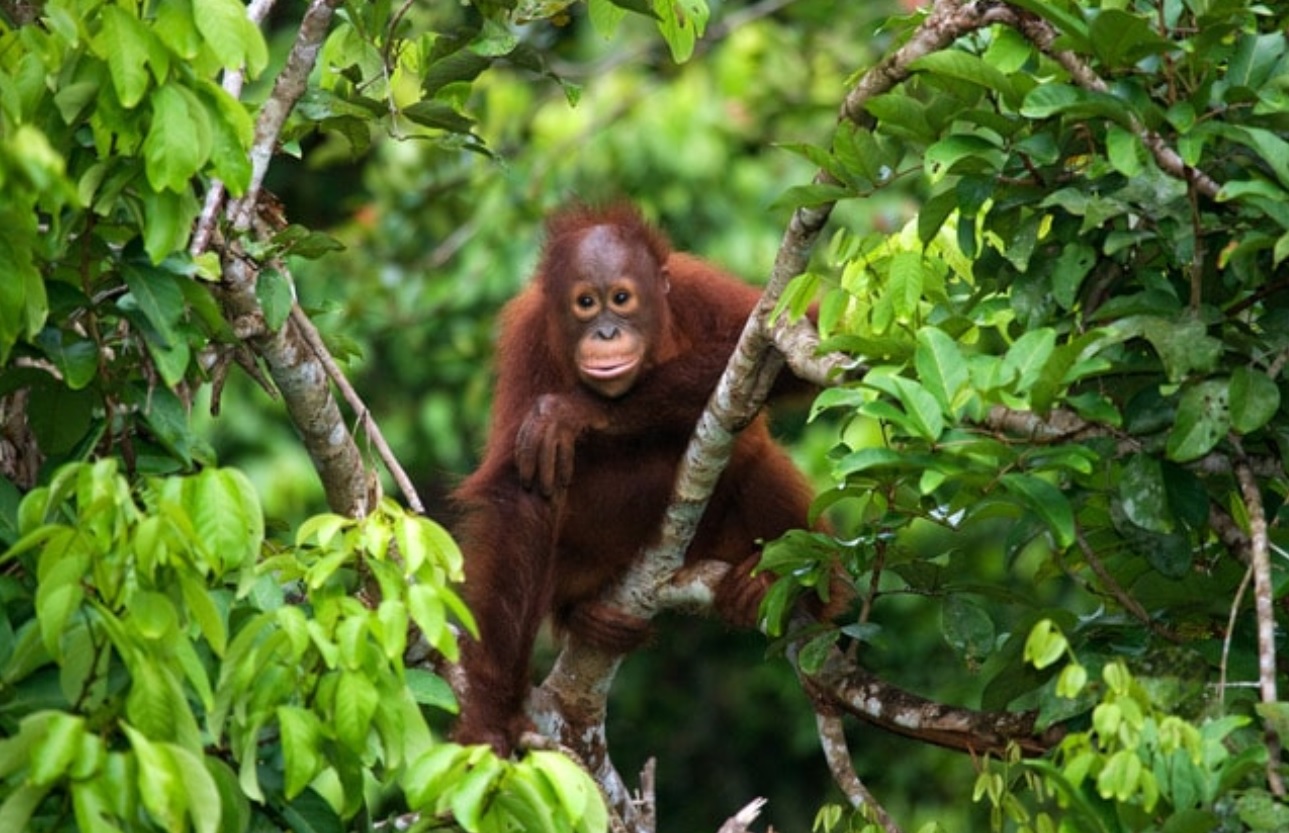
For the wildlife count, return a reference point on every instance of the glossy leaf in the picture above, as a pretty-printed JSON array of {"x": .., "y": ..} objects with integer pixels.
[{"x": 1046, "y": 501}]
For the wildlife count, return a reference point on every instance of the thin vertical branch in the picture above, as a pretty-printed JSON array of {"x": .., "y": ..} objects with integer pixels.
[{"x": 1263, "y": 599}]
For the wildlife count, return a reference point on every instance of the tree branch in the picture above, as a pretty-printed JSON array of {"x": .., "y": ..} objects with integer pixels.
[
  {"x": 297, "y": 361},
  {"x": 837, "y": 753},
  {"x": 1263, "y": 601},
  {"x": 1041, "y": 34}
]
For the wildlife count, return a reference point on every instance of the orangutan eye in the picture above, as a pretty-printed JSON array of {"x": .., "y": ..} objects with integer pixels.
[
  {"x": 621, "y": 297},
  {"x": 585, "y": 301}
]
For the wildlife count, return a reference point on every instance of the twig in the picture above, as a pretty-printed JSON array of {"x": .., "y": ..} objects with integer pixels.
[
  {"x": 1041, "y": 34},
  {"x": 741, "y": 822},
  {"x": 232, "y": 83},
  {"x": 1120, "y": 595},
  {"x": 1230, "y": 632},
  {"x": 290, "y": 85},
  {"x": 833, "y": 739},
  {"x": 1264, "y": 601},
  {"x": 311, "y": 337}
]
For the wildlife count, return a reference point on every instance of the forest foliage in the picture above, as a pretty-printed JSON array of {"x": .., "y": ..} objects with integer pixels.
[{"x": 1058, "y": 251}]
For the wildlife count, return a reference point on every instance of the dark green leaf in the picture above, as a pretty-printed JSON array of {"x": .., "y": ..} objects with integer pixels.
[
  {"x": 974, "y": 151},
  {"x": 964, "y": 66},
  {"x": 158, "y": 296},
  {"x": 76, "y": 358},
  {"x": 1143, "y": 494},
  {"x": 967, "y": 627},
  {"x": 439, "y": 115},
  {"x": 1203, "y": 419},
  {"x": 1046, "y": 501},
  {"x": 1120, "y": 38},
  {"x": 1050, "y": 100},
  {"x": 60, "y": 417},
  {"x": 800, "y": 196},
  {"x": 902, "y": 114},
  {"x": 1187, "y": 497}
]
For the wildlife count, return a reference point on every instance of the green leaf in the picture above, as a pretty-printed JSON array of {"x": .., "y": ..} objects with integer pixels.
[
  {"x": 57, "y": 744},
  {"x": 76, "y": 358},
  {"x": 232, "y": 36},
  {"x": 907, "y": 278},
  {"x": 573, "y": 788},
  {"x": 1124, "y": 149},
  {"x": 901, "y": 114},
  {"x": 202, "y": 609},
  {"x": 940, "y": 365},
  {"x": 19, "y": 805},
  {"x": 429, "y": 689},
  {"x": 153, "y": 616},
  {"x": 1143, "y": 495},
  {"x": 941, "y": 157},
  {"x": 439, "y": 115},
  {"x": 311, "y": 813},
  {"x": 681, "y": 23},
  {"x": 23, "y": 302},
  {"x": 200, "y": 792},
  {"x": 605, "y": 16},
  {"x": 1046, "y": 501},
  {"x": 1071, "y": 267},
  {"x": 175, "y": 27},
  {"x": 157, "y": 294},
  {"x": 427, "y": 777},
  {"x": 1203, "y": 419},
  {"x": 276, "y": 297},
  {"x": 1045, "y": 644},
  {"x": 160, "y": 785},
  {"x": 967, "y": 627},
  {"x": 226, "y": 517},
  {"x": 124, "y": 43},
  {"x": 356, "y": 702},
  {"x": 301, "y": 734},
  {"x": 1254, "y": 399},
  {"x": 168, "y": 218},
  {"x": 60, "y": 592},
  {"x": 469, "y": 797},
  {"x": 1028, "y": 356},
  {"x": 231, "y": 134},
  {"x": 810, "y": 195},
  {"x": 1049, "y": 100},
  {"x": 1120, "y": 38},
  {"x": 954, "y": 63},
  {"x": 178, "y": 141}
]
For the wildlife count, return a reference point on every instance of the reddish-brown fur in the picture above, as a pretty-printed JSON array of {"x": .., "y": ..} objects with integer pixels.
[{"x": 543, "y": 540}]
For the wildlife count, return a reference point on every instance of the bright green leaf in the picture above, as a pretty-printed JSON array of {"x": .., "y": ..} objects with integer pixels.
[
  {"x": 178, "y": 141},
  {"x": 232, "y": 36},
  {"x": 940, "y": 365},
  {"x": 301, "y": 747}
]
